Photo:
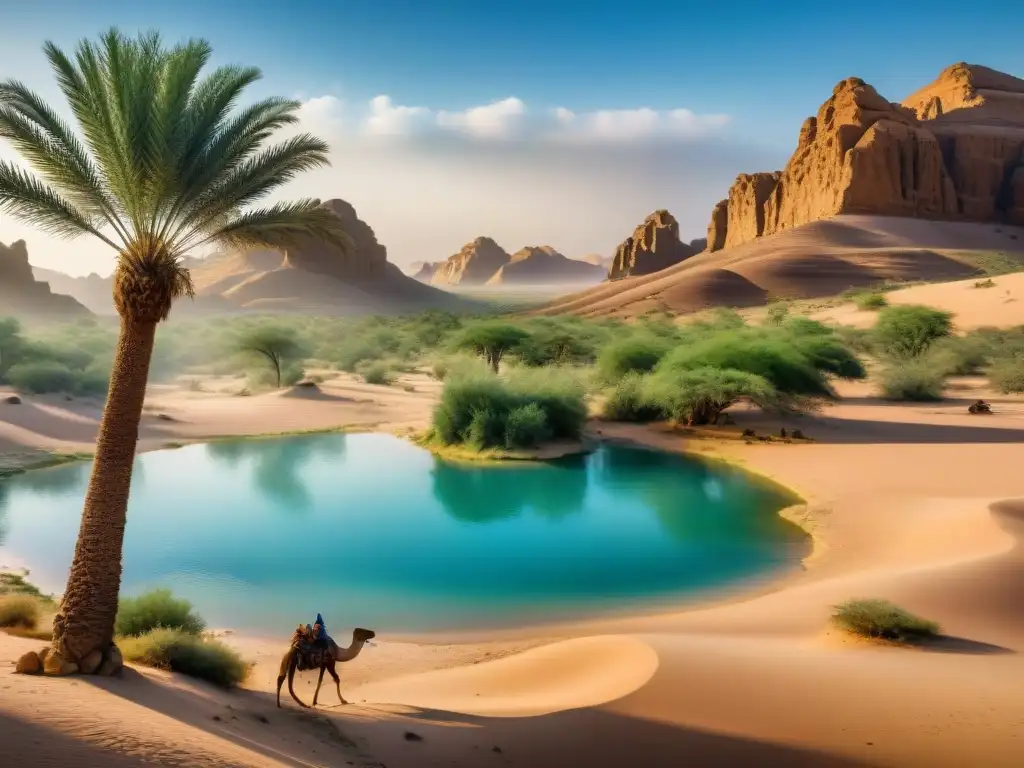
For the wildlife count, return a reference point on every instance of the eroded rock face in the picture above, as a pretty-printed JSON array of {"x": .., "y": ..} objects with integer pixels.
[
  {"x": 22, "y": 294},
  {"x": 653, "y": 246},
  {"x": 543, "y": 265},
  {"x": 366, "y": 262},
  {"x": 426, "y": 270},
  {"x": 475, "y": 264},
  {"x": 953, "y": 150}
]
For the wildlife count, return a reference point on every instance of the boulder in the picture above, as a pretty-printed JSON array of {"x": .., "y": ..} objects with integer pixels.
[
  {"x": 952, "y": 150},
  {"x": 653, "y": 246},
  {"x": 28, "y": 664},
  {"x": 113, "y": 664},
  {"x": 475, "y": 264},
  {"x": 21, "y": 294},
  {"x": 543, "y": 265}
]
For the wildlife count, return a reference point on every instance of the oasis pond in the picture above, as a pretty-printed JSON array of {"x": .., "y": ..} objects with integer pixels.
[{"x": 374, "y": 531}]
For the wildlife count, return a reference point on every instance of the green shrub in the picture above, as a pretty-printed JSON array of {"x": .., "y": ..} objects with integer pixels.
[
  {"x": 377, "y": 373},
  {"x": 156, "y": 609},
  {"x": 920, "y": 379},
  {"x": 475, "y": 409},
  {"x": 43, "y": 377},
  {"x": 635, "y": 354},
  {"x": 772, "y": 356},
  {"x": 882, "y": 619},
  {"x": 526, "y": 427},
  {"x": 626, "y": 401},
  {"x": 19, "y": 611},
  {"x": 189, "y": 654},
  {"x": 989, "y": 283},
  {"x": 961, "y": 355},
  {"x": 1008, "y": 375},
  {"x": 871, "y": 301},
  {"x": 907, "y": 331},
  {"x": 492, "y": 340},
  {"x": 697, "y": 396},
  {"x": 439, "y": 369},
  {"x": 829, "y": 354}
]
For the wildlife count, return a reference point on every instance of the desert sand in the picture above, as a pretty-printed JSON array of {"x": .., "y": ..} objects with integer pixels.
[
  {"x": 918, "y": 504},
  {"x": 818, "y": 259}
]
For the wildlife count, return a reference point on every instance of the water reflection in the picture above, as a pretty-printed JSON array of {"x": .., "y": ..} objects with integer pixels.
[
  {"x": 277, "y": 464},
  {"x": 485, "y": 493}
]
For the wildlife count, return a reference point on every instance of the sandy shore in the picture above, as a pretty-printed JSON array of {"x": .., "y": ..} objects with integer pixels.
[{"x": 911, "y": 503}]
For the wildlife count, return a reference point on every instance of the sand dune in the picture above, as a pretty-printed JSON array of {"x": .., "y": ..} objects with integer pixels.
[
  {"x": 819, "y": 259},
  {"x": 918, "y": 504}
]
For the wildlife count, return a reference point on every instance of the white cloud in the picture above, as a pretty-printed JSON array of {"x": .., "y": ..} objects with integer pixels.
[
  {"x": 496, "y": 120},
  {"x": 636, "y": 124},
  {"x": 325, "y": 112},
  {"x": 387, "y": 119}
]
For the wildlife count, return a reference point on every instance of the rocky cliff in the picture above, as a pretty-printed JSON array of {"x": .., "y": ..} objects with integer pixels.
[
  {"x": 953, "y": 150},
  {"x": 366, "y": 262},
  {"x": 21, "y": 294},
  {"x": 543, "y": 265},
  {"x": 425, "y": 270},
  {"x": 475, "y": 264},
  {"x": 653, "y": 246}
]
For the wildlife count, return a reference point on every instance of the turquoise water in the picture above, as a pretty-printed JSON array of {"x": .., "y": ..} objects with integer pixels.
[{"x": 374, "y": 531}]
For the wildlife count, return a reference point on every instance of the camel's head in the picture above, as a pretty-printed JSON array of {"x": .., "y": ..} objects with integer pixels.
[{"x": 364, "y": 634}]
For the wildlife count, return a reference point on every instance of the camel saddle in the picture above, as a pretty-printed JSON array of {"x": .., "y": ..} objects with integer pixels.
[{"x": 310, "y": 655}]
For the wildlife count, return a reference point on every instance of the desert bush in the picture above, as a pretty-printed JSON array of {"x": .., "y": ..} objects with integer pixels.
[
  {"x": 961, "y": 355},
  {"x": 477, "y": 409},
  {"x": 829, "y": 354},
  {"x": 634, "y": 354},
  {"x": 697, "y": 396},
  {"x": 988, "y": 283},
  {"x": 187, "y": 653},
  {"x": 526, "y": 427},
  {"x": 773, "y": 356},
  {"x": 156, "y": 609},
  {"x": 277, "y": 348},
  {"x": 19, "y": 611},
  {"x": 377, "y": 373},
  {"x": 920, "y": 379},
  {"x": 626, "y": 401},
  {"x": 882, "y": 619},
  {"x": 908, "y": 330},
  {"x": 1008, "y": 375},
  {"x": 871, "y": 301},
  {"x": 777, "y": 313},
  {"x": 42, "y": 377},
  {"x": 856, "y": 339}
]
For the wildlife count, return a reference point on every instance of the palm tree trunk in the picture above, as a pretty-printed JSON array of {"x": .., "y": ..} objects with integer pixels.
[{"x": 85, "y": 622}]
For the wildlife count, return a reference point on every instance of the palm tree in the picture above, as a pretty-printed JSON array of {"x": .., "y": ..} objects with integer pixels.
[{"x": 163, "y": 163}]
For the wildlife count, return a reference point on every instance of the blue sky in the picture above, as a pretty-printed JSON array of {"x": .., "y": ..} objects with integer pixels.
[{"x": 764, "y": 66}]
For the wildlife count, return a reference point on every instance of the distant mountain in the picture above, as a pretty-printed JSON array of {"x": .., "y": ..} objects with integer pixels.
[
  {"x": 313, "y": 277},
  {"x": 22, "y": 294},
  {"x": 475, "y": 264},
  {"x": 543, "y": 265}
]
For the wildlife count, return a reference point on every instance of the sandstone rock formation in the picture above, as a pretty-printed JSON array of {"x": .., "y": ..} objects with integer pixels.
[
  {"x": 22, "y": 295},
  {"x": 699, "y": 244},
  {"x": 604, "y": 262},
  {"x": 366, "y": 262},
  {"x": 475, "y": 264},
  {"x": 425, "y": 270},
  {"x": 543, "y": 265},
  {"x": 653, "y": 246},
  {"x": 953, "y": 150}
]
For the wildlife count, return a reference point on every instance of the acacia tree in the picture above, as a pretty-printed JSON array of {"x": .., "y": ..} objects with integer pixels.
[
  {"x": 163, "y": 162},
  {"x": 273, "y": 344},
  {"x": 491, "y": 340}
]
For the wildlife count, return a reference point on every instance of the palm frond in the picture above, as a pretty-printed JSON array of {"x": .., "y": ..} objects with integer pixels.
[
  {"x": 255, "y": 178},
  {"x": 38, "y": 204},
  {"x": 281, "y": 226}
]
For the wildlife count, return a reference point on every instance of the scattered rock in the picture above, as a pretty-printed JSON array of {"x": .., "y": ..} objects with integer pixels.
[
  {"x": 497, "y": 749},
  {"x": 164, "y": 417},
  {"x": 28, "y": 664},
  {"x": 748, "y": 433},
  {"x": 113, "y": 664},
  {"x": 56, "y": 665},
  {"x": 12, "y": 400},
  {"x": 653, "y": 246},
  {"x": 410, "y": 736},
  {"x": 217, "y": 718},
  {"x": 91, "y": 663}
]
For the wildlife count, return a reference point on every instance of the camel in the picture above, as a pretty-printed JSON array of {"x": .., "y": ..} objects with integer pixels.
[{"x": 325, "y": 659}]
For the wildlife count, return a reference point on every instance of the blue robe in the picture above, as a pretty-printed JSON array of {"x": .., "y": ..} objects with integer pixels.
[{"x": 323, "y": 629}]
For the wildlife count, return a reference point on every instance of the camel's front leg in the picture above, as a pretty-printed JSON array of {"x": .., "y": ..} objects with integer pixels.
[
  {"x": 319, "y": 682},
  {"x": 337, "y": 682}
]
